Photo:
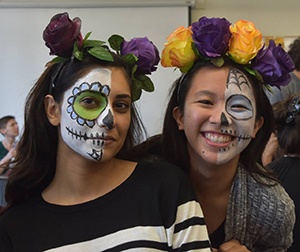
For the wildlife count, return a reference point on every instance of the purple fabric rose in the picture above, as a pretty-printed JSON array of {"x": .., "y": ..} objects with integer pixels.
[
  {"x": 146, "y": 52},
  {"x": 211, "y": 36},
  {"x": 274, "y": 65},
  {"x": 61, "y": 34}
]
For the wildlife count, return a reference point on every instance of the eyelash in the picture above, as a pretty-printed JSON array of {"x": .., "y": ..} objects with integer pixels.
[
  {"x": 205, "y": 102},
  {"x": 87, "y": 101},
  {"x": 121, "y": 107}
]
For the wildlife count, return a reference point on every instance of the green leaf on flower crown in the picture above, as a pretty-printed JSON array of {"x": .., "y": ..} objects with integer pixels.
[
  {"x": 93, "y": 43},
  {"x": 77, "y": 53},
  {"x": 130, "y": 59},
  {"x": 269, "y": 88},
  {"x": 258, "y": 76},
  {"x": 145, "y": 83},
  {"x": 101, "y": 53},
  {"x": 196, "y": 51},
  {"x": 133, "y": 70},
  {"x": 86, "y": 36},
  {"x": 255, "y": 73},
  {"x": 115, "y": 42},
  {"x": 186, "y": 68},
  {"x": 218, "y": 61},
  {"x": 58, "y": 60},
  {"x": 136, "y": 91},
  {"x": 249, "y": 70}
]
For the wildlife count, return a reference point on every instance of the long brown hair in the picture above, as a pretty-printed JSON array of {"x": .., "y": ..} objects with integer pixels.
[
  {"x": 35, "y": 162},
  {"x": 174, "y": 142}
]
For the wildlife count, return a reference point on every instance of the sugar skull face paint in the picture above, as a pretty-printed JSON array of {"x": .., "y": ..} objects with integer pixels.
[
  {"x": 240, "y": 110},
  {"x": 219, "y": 115},
  {"x": 87, "y": 115}
]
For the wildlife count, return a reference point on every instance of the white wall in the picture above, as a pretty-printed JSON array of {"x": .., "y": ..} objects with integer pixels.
[
  {"x": 272, "y": 17},
  {"x": 23, "y": 53},
  {"x": 18, "y": 52}
]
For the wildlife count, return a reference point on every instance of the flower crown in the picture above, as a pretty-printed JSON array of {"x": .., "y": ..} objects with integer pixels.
[
  {"x": 213, "y": 39},
  {"x": 62, "y": 35}
]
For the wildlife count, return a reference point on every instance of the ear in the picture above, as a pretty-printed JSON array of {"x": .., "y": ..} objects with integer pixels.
[
  {"x": 258, "y": 124},
  {"x": 2, "y": 131},
  {"x": 52, "y": 110},
  {"x": 178, "y": 116}
]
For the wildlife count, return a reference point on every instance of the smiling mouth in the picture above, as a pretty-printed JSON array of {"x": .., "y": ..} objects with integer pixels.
[
  {"x": 215, "y": 138},
  {"x": 223, "y": 139}
]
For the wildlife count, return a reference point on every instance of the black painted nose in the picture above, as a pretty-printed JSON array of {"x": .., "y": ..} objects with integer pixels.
[{"x": 108, "y": 120}]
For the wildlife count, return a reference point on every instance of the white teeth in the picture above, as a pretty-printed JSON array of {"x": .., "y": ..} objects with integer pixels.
[{"x": 217, "y": 139}]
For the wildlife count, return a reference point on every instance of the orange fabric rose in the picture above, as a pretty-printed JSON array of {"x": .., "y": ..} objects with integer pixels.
[
  {"x": 245, "y": 42},
  {"x": 178, "y": 51}
]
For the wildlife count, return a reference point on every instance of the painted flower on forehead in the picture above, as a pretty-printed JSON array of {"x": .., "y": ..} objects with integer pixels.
[
  {"x": 146, "y": 52},
  {"x": 274, "y": 65},
  {"x": 61, "y": 34},
  {"x": 178, "y": 51},
  {"x": 211, "y": 36},
  {"x": 245, "y": 42}
]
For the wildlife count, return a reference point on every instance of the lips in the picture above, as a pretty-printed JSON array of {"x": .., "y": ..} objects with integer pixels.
[
  {"x": 217, "y": 138},
  {"x": 224, "y": 139},
  {"x": 85, "y": 137}
]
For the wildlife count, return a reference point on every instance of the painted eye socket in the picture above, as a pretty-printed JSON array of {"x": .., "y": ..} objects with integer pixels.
[
  {"x": 89, "y": 105},
  {"x": 239, "y": 107}
]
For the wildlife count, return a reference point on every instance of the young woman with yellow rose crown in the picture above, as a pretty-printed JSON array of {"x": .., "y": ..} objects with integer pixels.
[
  {"x": 72, "y": 188},
  {"x": 216, "y": 126}
]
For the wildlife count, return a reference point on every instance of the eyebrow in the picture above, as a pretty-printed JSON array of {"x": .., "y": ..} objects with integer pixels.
[
  {"x": 122, "y": 96},
  {"x": 204, "y": 92}
]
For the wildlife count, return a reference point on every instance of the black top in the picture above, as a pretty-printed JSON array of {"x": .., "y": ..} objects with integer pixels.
[
  {"x": 288, "y": 171},
  {"x": 218, "y": 237},
  {"x": 155, "y": 208}
]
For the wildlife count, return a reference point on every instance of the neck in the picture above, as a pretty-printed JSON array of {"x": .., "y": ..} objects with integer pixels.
[
  {"x": 80, "y": 182},
  {"x": 8, "y": 142},
  {"x": 212, "y": 179}
]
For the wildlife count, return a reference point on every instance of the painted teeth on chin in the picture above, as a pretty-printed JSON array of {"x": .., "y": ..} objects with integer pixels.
[{"x": 244, "y": 138}]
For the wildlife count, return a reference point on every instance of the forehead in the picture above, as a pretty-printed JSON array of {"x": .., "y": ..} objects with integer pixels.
[
  {"x": 221, "y": 80},
  {"x": 11, "y": 121},
  {"x": 238, "y": 82},
  {"x": 102, "y": 75}
]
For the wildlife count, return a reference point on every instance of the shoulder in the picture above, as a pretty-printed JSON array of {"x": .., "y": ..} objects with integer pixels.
[
  {"x": 273, "y": 207},
  {"x": 19, "y": 214},
  {"x": 2, "y": 149},
  {"x": 273, "y": 195},
  {"x": 161, "y": 170},
  {"x": 164, "y": 179}
]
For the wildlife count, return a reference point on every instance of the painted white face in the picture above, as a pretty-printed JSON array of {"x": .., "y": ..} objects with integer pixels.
[
  {"x": 219, "y": 115},
  {"x": 87, "y": 115},
  {"x": 241, "y": 110}
]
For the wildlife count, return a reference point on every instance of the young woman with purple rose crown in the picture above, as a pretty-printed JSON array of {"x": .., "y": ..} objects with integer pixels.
[
  {"x": 72, "y": 188},
  {"x": 216, "y": 126}
]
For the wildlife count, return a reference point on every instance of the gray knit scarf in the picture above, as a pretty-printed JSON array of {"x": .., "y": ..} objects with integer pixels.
[{"x": 260, "y": 217}]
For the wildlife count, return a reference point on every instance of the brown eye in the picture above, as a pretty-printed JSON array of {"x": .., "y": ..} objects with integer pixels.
[
  {"x": 121, "y": 107},
  {"x": 89, "y": 102}
]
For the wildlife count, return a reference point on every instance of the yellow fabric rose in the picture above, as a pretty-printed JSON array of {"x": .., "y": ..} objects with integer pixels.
[
  {"x": 245, "y": 42},
  {"x": 178, "y": 51}
]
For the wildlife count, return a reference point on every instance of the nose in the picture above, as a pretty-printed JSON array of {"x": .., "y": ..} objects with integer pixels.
[
  {"x": 108, "y": 120},
  {"x": 219, "y": 116},
  {"x": 224, "y": 120}
]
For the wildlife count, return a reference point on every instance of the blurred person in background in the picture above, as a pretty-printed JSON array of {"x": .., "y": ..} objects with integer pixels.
[
  {"x": 10, "y": 130},
  {"x": 287, "y": 167}
]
